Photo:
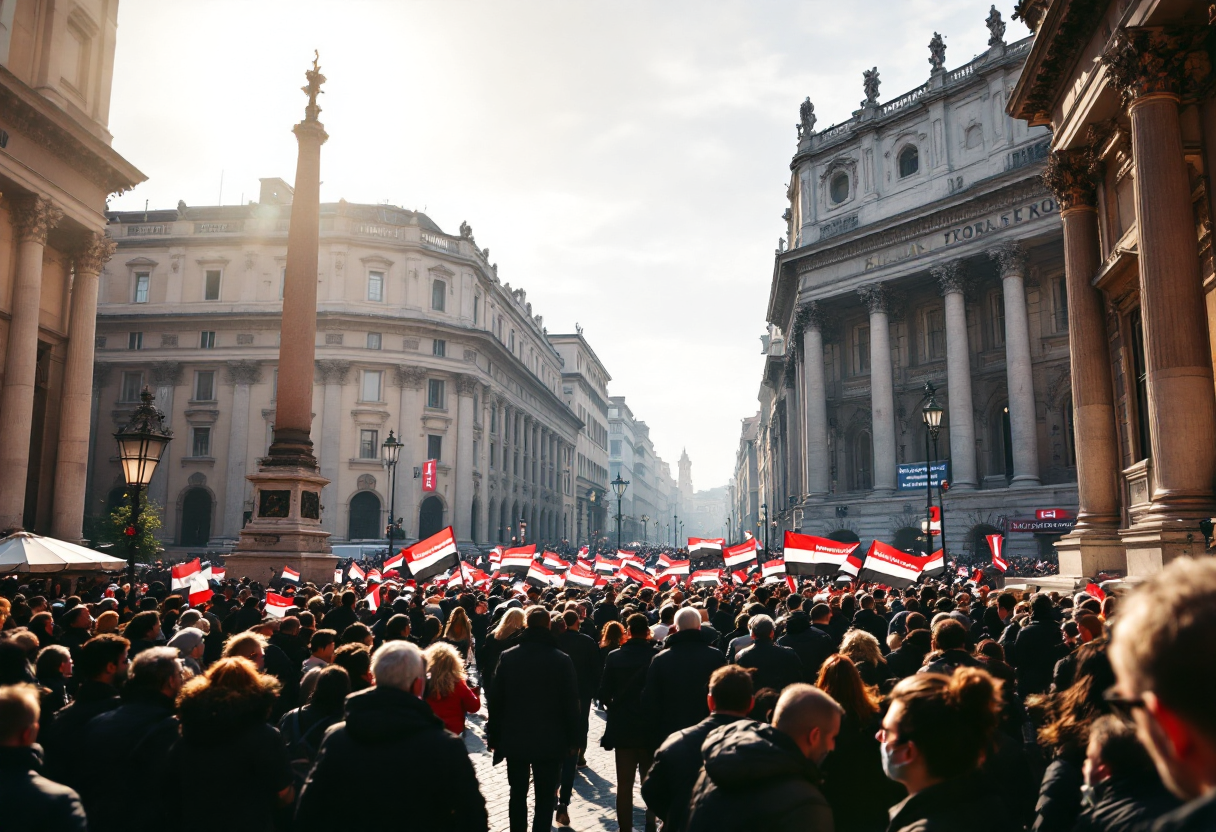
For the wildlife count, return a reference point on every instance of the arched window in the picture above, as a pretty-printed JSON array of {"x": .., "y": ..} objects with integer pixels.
[
  {"x": 839, "y": 189},
  {"x": 974, "y": 137},
  {"x": 863, "y": 461},
  {"x": 196, "y": 517},
  {"x": 909, "y": 539},
  {"x": 364, "y": 522},
  {"x": 909, "y": 161},
  {"x": 430, "y": 517},
  {"x": 844, "y": 536}
]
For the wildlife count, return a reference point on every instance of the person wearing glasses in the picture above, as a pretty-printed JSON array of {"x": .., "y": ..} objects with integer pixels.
[
  {"x": 933, "y": 740},
  {"x": 1162, "y": 650}
]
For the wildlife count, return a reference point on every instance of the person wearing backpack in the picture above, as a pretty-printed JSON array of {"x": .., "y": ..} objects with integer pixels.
[{"x": 304, "y": 727}]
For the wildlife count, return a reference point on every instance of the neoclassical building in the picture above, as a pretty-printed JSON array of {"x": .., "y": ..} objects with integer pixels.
[
  {"x": 585, "y": 390},
  {"x": 57, "y": 169},
  {"x": 416, "y": 335},
  {"x": 922, "y": 246},
  {"x": 1127, "y": 90}
]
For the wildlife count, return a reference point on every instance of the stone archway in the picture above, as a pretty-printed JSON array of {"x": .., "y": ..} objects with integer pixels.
[
  {"x": 197, "y": 507},
  {"x": 909, "y": 539},
  {"x": 364, "y": 517},
  {"x": 430, "y": 517}
]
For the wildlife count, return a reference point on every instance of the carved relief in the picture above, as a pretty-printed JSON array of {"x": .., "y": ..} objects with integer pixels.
[
  {"x": 244, "y": 372},
  {"x": 875, "y": 297},
  {"x": 93, "y": 254},
  {"x": 198, "y": 479},
  {"x": 951, "y": 276},
  {"x": 1011, "y": 256},
  {"x": 332, "y": 371},
  {"x": 168, "y": 339},
  {"x": 1073, "y": 176},
  {"x": 470, "y": 356},
  {"x": 34, "y": 217},
  {"x": 1143, "y": 61},
  {"x": 366, "y": 482},
  {"x": 411, "y": 344},
  {"x": 412, "y": 377},
  {"x": 166, "y": 373}
]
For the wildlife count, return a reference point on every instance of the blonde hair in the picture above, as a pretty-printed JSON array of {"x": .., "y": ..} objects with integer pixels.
[
  {"x": 861, "y": 646},
  {"x": 458, "y": 627},
  {"x": 444, "y": 669},
  {"x": 511, "y": 623},
  {"x": 241, "y": 644}
]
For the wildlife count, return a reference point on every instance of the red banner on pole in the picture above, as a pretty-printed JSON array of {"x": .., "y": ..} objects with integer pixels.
[{"x": 430, "y": 472}]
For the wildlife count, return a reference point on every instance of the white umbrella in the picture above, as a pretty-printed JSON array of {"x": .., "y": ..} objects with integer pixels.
[{"x": 25, "y": 552}]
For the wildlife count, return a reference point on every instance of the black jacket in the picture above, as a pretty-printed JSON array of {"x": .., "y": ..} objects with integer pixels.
[
  {"x": 487, "y": 657},
  {"x": 60, "y": 740},
  {"x": 756, "y": 777},
  {"x": 588, "y": 664},
  {"x": 677, "y": 682},
  {"x": 1059, "y": 801},
  {"x": 389, "y": 731},
  {"x": 872, "y": 623},
  {"x": 32, "y": 803},
  {"x": 1197, "y": 816},
  {"x": 812, "y": 645},
  {"x": 667, "y": 788},
  {"x": 853, "y": 781},
  {"x": 949, "y": 661},
  {"x": 958, "y": 805},
  {"x": 906, "y": 659},
  {"x": 1035, "y": 655},
  {"x": 1128, "y": 804},
  {"x": 775, "y": 666},
  {"x": 621, "y": 692},
  {"x": 535, "y": 712},
  {"x": 339, "y": 619}
]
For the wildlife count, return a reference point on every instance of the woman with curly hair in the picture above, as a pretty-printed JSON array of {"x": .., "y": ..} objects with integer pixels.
[
  {"x": 447, "y": 689},
  {"x": 224, "y": 729},
  {"x": 866, "y": 655},
  {"x": 459, "y": 632}
]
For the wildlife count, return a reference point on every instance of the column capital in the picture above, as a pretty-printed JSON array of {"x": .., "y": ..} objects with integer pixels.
[
  {"x": 1073, "y": 176},
  {"x": 93, "y": 253},
  {"x": 244, "y": 372},
  {"x": 875, "y": 297},
  {"x": 405, "y": 376},
  {"x": 951, "y": 277},
  {"x": 1012, "y": 258},
  {"x": 1157, "y": 60},
  {"x": 466, "y": 385},
  {"x": 34, "y": 217},
  {"x": 167, "y": 373},
  {"x": 810, "y": 316},
  {"x": 332, "y": 371}
]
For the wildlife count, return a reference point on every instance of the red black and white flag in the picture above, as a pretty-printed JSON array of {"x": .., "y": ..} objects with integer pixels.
[
  {"x": 740, "y": 576},
  {"x": 806, "y": 554},
  {"x": 707, "y": 577},
  {"x": 539, "y": 576},
  {"x": 374, "y": 576},
  {"x": 773, "y": 569},
  {"x": 433, "y": 556},
  {"x": 606, "y": 565},
  {"x": 677, "y": 567},
  {"x": 356, "y": 572},
  {"x": 664, "y": 560},
  {"x": 552, "y": 561},
  {"x": 290, "y": 574},
  {"x": 183, "y": 573},
  {"x": 496, "y": 555},
  {"x": 629, "y": 572},
  {"x": 702, "y": 546},
  {"x": 218, "y": 573},
  {"x": 278, "y": 605},
  {"x": 887, "y": 565},
  {"x": 996, "y": 543},
  {"x": 851, "y": 566},
  {"x": 580, "y": 575},
  {"x": 395, "y": 562},
  {"x": 517, "y": 561},
  {"x": 624, "y": 555},
  {"x": 584, "y": 551},
  {"x": 373, "y": 598},
  {"x": 738, "y": 556}
]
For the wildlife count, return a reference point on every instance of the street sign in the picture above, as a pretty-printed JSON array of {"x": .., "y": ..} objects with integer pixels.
[{"x": 911, "y": 475}]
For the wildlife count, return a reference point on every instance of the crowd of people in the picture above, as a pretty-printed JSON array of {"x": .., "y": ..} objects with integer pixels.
[{"x": 938, "y": 707}]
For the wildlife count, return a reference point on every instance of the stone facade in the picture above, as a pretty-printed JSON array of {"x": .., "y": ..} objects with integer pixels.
[
  {"x": 921, "y": 246},
  {"x": 585, "y": 391},
  {"x": 416, "y": 334},
  {"x": 56, "y": 171},
  {"x": 631, "y": 454}
]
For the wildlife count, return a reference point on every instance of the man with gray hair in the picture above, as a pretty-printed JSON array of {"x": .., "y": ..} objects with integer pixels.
[
  {"x": 390, "y": 731},
  {"x": 759, "y": 776},
  {"x": 677, "y": 681},
  {"x": 774, "y": 666}
]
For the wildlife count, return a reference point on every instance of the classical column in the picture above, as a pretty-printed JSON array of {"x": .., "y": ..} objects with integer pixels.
[
  {"x": 952, "y": 278},
  {"x": 882, "y": 388},
  {"x": 165, "y": 377},
  {"x": 1023, "y": 425},
  {"x": 793, "y": 420},
  {"x": 72, "y": 459},
  {"x": 332, "y": 375},
  {"x": 411, "y": 381},
  {"x": 818, "y": 466},
  {"x": 1094, "y": 543},
  {"x": 101, "y": 378},
  {"x": 466, "y": 385},
  {"x": 483, "y": 519},
  {"x": 1150, "y": 66},
  {"x": 33, "y": 218},
  {"x": 241, "y": 375}
]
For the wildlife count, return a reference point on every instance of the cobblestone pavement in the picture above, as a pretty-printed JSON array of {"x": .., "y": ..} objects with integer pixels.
[{"x": 593, "y": 807}]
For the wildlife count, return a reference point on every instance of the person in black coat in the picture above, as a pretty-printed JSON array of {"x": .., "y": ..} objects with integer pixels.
[
  {"x": 908, "y": 658},
  {"x": 387, "y": 727},
  {"x": 606, "y": 611},
  {"x": 870, "y": 621},
  {"x": 775, "y": 666},
  {"x": 503, "y": 637},
  {"x": 667, "y": 788},
  {"x": 342, "y": 617},
  {"x": 1125, "y": 792},
  {"x": 677, "y": 682},
  {"x": 812, "y": 645},
  {"x": 101, "y": 660},
  {"x": 588, "y": 664},
  {"x": 1037, "y": 648},
  {"x": 628, "y": 731},
  {"x": 534, "y": 721},
  {"x": 29, "y": 801}
]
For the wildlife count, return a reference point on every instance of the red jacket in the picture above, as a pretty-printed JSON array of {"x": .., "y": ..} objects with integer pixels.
[{"x": 452, "y": 708}]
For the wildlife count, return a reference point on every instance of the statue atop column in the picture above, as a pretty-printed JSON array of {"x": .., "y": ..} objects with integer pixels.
[
  {"x": 937, "y": 52},
  {"x": 870, "y": 83},
  {"x": 996, "y": 28},
  {"x": 313, "y": 88},
  {"x": 806, "y": 118}
]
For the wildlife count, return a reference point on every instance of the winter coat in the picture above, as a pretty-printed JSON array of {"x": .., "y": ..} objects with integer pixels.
[
  {"x": 389, "y": 731},
  {"x": 775, "y": 666},
  {"x": 1059, "y": 801},
  {"x": 339, "y": 619},
  {"x": 755, "y": 777},
  {"x": 487, "y": 658},
  {"x": 872, "y": 623},
  {"x": 906, "y": 659},
  {"x": 621, "y": 692},
  {"x": 1035, "y": 655},
  {"x": 949, "y": 661},
  {"x": 853, "y": 781},
  {"x": 588, "y": 664},
  {"x": 31, "y": 802},
  {"x": 451, "y": 709},
  {"x": 535, "y": 712},
  {"x": 1197, "y": 816},
  {"x": 1127, "y": 804},
  {"x": 60, "y": 740},
  {"x": 677, "y": 682},
  {"x": 957, "y": 805},
  {"x": 812, "y": 645},
  {"x": 667, "y": 788}
]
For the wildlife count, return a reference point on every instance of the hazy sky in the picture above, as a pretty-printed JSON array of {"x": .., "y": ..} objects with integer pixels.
[{"x": 625, "y": 162}]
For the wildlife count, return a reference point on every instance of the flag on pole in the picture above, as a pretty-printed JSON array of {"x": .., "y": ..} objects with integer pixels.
[
  {"x": 277, "y": 605},
  {"x": 701, "y": 546},
  {"x": 792, "y": 583},
  {"x": 580, "y": 575},
  {"x": 736, "y": 556},
  {"x": 290, "y": 574},
  {"x": 433, "y": 556},
  {"x": 395, "y": 561},
  {"x": 740, "y": 576},
  {"x": 851, "y": 566},
  {"x": 626, "y": 555},
  {"x": 517, "y": 560},
  {"x": 629, "y": 572},
  {"x": 677, "y": 567},
  {"x": 539, "y": 576},
  {"x": 773, "y": 569},
  {"x": 806, "y": 554},
  {"x": 373, "y": 598},
  {"x": 898, "y": 570},
  {"x": 356, "y": 571},
  {"x": 1096, "y": 591},
  {"x": 996, "y": 543},
  {"x": 553, "y": 561},
  {"x": 603, "y": 564},
  {"x": 182, "y": 572},
  {"x": 374, "y": 577},
  {"x": 707, "y": 577}
]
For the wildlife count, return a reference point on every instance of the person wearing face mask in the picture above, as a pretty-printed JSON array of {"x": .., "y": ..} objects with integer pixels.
[
  {"x": 1161, "y": 650},
  {"x": 933, "y": 740},
  {"x": 1122, "y": 792},
  {"x": 759, "y": 776}
]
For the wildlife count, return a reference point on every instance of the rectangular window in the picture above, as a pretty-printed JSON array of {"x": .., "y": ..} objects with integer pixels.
[
  {"x": 211, "y": 284},
  {"x": 1060, "y": 296},
  {"x": 616, "y": 447},
  {"x": 204, "y": 386},
  {"x": 493, "y": 452},
  {"x": 373, "y": 340},
  {"x": 434, "y": 447},
  {"x": 206, "y": 340},
  {"x": 1140, "y": 373},
  {"x": 997, "y": 312},
  {"x": 371, "y": 385},
  {"x": 439, "y": 347},
  {"x": 132, "y": 384},
  {"x": 439, "y": 295},
  {"x": 142, "y": 279},
  {"x": 375, "y": 286},
  {"x": 135, "y": 340},
  {"x": 477, "y": 454},
  {"x": 476, "y": 310},
  {"x": 935, "y": 334},
  {"x": 861, "y": 349},
  {"x": 511, "y": 344},
  {"x": 200, "y": 442},
  {"x": 434, "y": 393},
  {"x": 369, "y": 444}
]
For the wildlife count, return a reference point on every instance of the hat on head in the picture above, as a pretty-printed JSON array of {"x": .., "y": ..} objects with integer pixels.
[{"x": 186, "y": 640}]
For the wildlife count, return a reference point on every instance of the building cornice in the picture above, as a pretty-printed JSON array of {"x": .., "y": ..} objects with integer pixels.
[{"x": 1062, "y": 38}]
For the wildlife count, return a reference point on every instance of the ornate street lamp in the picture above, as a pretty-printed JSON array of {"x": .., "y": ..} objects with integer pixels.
[
  {"x": 619, "y": 485},
  {"x": 932, "y": 414},
  {"x": 645, "y": 526},
  {"x": 141, "y": 443},
  {"x": 391, "y": 452}
]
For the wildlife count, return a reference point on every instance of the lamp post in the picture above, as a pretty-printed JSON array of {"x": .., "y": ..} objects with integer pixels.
[
  {"x": 645, "y": 525},
  {"x": 675, "y": 530},
  {"x": 140, "y": 445},
  {"x": 523, "y": 532},
  {"x": 764, "y": 524},
  {"x": 656, "y": 532},
  {"x": 619, "y": 485},
  {"x": 391, "y": 451},
  {"x": 932, "y": 414}
]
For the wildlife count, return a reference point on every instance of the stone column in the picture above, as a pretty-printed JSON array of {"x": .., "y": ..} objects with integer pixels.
[
  {"x": 1094, "y": 543},
  {"x": 952, "y": 278},
  {"x": 75, "y": 411},
  {"x": 815, "y": 399},
  {"x": 33, "y": 218},
  {"x": 101, "y": 379},
  {"x": 882, "y": 388},
  {"x": 1150, "y": 67},
  {"x": 1023, "y": 424},
  {"x": 793, "y": 420},
  {"x": 332, "y": 375},
  {"x": 411, "y": 381},
  {"x": 483, "y": 520},
  {"x": 165, "y": 377},
  {"x": 241, "y": 375},
  {"x": 463, "y": 474}
]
